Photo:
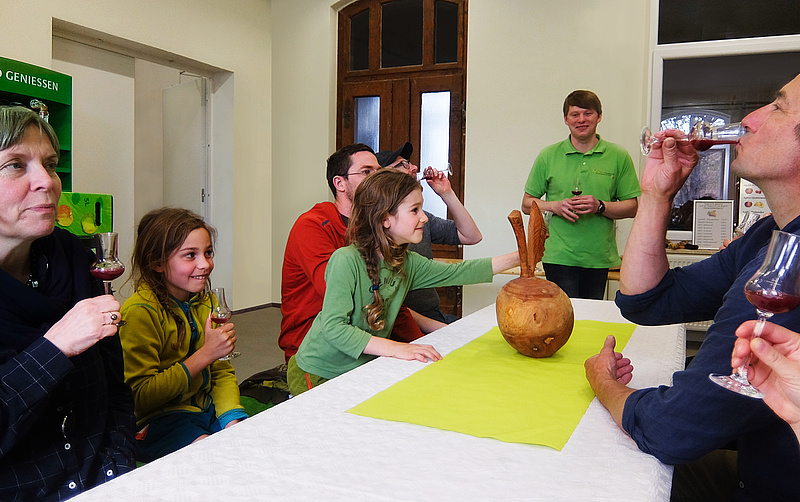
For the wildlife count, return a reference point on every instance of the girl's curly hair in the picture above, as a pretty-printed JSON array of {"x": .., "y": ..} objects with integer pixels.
[{"x": 375, "y": 199}]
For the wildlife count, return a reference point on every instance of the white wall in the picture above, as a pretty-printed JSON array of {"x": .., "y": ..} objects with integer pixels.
[
  {"x": 304, "y": 104},
  {"x": 103, "y": 106},
  {"x": 523, "y": 58},
  {"x": 233, "y": 35}
]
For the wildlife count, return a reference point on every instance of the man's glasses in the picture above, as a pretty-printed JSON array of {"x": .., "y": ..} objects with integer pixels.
[{"x": 362, "y": 172}]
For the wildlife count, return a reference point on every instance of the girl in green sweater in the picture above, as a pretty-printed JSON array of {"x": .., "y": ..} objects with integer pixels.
[
  {"x": 182, "y": 391},
  {"x": 367, "y": 281}
]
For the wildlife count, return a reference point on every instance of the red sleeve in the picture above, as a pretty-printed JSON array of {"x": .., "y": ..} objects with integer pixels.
[{"x": 405, "y": 327}]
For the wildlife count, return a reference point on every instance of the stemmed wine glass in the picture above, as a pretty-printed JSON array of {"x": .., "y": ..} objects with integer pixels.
[
  {"x": 773, "y": 289},
  {"x": 107, "y": 267},
  {"x": 220, "y": 314},
  {"x": 702, "y": 136},
  {"x": 577, "y": 189},
  {"x": 428, "y": 172}
]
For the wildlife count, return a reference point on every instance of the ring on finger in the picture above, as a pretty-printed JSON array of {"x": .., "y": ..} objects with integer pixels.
[{"x": 114, "y": 317}]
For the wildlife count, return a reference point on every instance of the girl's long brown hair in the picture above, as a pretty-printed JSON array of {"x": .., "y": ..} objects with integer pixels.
[
  {"x": 161, "y": 232},
  {"x": 375, "y": 199}
]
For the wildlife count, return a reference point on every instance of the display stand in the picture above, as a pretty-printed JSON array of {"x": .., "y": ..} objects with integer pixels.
[{"x": 50, "y": 94}]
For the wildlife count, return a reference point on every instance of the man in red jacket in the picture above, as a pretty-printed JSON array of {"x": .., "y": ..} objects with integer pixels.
[{"x": 316, "y": 234}]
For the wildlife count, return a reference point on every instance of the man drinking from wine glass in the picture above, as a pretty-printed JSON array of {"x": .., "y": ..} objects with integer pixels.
[
  {"x": 314, "y": 237},
  {"x": 586, "y": 183},
  {"x": 688, "y": 423}
]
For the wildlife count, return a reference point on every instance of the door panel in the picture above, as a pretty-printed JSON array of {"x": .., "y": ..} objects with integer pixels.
[
  {"x": 428, "y": 86},
  {"x": 430, "y": 147},
  {"x": 348, "y": 117},
  {"x": 185, "y": 162}
]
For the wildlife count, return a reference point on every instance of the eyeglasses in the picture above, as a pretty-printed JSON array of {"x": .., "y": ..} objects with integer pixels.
[
  {"x": 363, "y": 172},
  {"x": 403, "y": 163}
]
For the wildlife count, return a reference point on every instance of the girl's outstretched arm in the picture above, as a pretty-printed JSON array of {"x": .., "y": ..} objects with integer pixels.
[
  {"x": 505, "y": 262},
  {"x": 378, "y": 346}
]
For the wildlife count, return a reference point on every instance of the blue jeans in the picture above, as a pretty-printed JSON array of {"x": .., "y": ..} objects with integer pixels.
[{"x": 578, "y": 282}]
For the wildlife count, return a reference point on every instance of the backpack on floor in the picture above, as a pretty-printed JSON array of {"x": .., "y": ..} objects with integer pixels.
[{"x": 264, "y": 390}]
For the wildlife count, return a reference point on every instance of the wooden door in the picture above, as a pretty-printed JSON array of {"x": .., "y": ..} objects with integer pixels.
[{"x": 393, "y": 57}]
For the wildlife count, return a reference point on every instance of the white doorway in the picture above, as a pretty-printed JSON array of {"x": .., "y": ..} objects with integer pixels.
[{"x": 150, "y": 134}]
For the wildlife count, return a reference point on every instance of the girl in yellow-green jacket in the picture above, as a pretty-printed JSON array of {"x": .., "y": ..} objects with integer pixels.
[{"x": 182, "y": 391}]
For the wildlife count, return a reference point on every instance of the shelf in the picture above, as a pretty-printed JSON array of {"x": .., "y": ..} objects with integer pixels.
[{"x": 20, "y": 83}]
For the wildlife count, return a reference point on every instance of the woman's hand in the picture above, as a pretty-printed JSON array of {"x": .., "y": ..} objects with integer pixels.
[
  {"x": 85, "y": 324},
  {"x": 775, "y": 369}
]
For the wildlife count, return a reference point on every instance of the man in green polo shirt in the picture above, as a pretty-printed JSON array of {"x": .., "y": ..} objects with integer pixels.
[{"x": 586, "y": 183}]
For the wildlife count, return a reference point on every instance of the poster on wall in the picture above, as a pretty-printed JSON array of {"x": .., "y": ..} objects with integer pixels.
[
  {"x": 713, "y": 223},
  {"x": 751, "y": 200}
]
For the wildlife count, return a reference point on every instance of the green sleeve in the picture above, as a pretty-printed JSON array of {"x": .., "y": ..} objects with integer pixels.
[
  {"x": 425, "y": 273},
  {"x": 536, "y": 185},
  {"x": 342, "y": 322}
]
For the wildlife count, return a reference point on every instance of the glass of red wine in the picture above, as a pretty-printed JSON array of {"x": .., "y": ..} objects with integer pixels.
[
  {"x": 107, "y": 266},
  {"x": 773, "y": 289},
  {"x": 577, "y": 189},
  {"x": 702, "y": 136},
  {"x": 221, "y": 314}
]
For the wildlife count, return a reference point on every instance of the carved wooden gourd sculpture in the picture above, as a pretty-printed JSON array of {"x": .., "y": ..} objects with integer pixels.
[{"x": 534, "y": 315}]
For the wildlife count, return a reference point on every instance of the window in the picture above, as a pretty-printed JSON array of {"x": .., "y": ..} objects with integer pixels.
[
  {"x": 693, "y": 21},
  {"x": 709, "y": 178},
  {"x": 730, "y": 71}
]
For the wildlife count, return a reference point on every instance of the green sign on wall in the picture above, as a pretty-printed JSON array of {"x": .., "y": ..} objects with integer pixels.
[
  {"x": 49, "y": 93},
  {"x": 30, "y": 80}
]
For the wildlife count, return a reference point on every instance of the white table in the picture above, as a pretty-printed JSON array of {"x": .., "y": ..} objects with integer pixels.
[{"x": 309, "y": 448}]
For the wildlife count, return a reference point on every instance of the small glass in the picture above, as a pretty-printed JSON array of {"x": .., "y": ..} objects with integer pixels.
[
  {"x": 429, "y": 172},
  {"x": 702, "y": 136},
  {"x": 773, "y": 289},
  {"x": 220, "y": 314},
  {"x": 107, "y": 266},
  {"x": 577, "y": 188}
]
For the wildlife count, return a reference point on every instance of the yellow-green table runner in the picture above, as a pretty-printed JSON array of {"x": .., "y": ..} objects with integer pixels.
[{"x": 488, "y": 389}]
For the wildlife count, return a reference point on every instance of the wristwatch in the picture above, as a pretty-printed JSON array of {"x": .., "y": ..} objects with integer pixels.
[{"x": 600, "y": 208}]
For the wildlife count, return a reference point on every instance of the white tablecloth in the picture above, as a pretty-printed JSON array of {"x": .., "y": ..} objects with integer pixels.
[{"x": 309, "y": 448}]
